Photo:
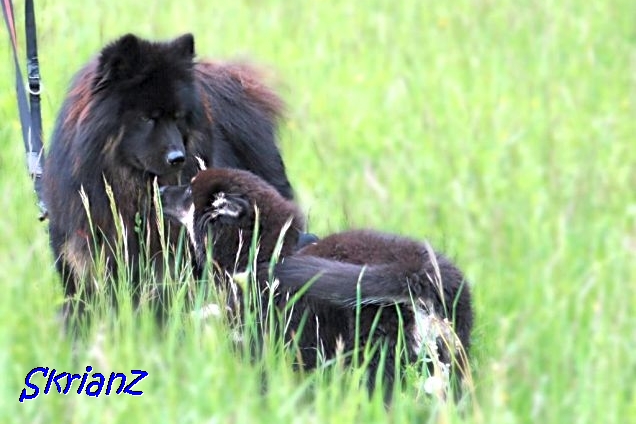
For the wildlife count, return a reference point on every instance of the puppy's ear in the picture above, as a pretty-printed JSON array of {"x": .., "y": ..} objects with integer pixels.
[{"x": 230, "y": 206}]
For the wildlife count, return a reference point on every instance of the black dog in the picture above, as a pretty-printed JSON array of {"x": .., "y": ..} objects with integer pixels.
[
  {"x": 405, "y": 299},
  {"x": 142, "y": 111}
]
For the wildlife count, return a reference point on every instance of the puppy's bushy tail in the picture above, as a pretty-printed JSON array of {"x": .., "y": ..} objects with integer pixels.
[{"x": 346, "y": 284}]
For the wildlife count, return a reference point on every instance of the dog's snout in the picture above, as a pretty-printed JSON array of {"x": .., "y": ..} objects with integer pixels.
[{"x": 175, "y": 157}]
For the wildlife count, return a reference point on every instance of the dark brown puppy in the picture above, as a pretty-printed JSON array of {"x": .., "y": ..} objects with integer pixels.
[
  {"x": 142, "y": 111},
  {"x": 409, "y": 301}
]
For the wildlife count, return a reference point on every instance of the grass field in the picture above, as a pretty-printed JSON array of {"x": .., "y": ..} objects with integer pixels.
[{"x": 502, "y": 132}]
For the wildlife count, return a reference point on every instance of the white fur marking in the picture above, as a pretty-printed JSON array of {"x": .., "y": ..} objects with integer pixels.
[
  {"x": 427, "y": 331},
  {"x": 201, "y": 163},
  {"x": 429, "y": 328},
  {"x": 209, "y": 310},
  {"x": 424, "y": 331},
  {"x": 223, "y": 207},
  {"x": 187, "y": 220}
]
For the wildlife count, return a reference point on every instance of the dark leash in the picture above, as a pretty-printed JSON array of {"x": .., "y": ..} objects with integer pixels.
[{"x": 30, "y": 116}]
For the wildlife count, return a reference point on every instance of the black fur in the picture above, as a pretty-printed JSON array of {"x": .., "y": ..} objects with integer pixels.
[
  {"x": 143, "y": 110},
  {"x": 394, "y": 281}
]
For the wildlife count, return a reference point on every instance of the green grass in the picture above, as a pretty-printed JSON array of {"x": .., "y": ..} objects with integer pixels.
[{"x": 503, "y": 132}]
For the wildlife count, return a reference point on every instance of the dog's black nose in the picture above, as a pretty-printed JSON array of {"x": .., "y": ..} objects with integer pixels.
[{"x": 175, "y": 157}]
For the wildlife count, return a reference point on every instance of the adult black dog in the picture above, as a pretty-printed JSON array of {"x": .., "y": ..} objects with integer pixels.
[
  {"x": 366, "y": 288},
  {"x": 141, "y": 111}
]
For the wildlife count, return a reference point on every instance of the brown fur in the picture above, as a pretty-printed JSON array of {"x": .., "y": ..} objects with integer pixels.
[{"x": 390, "y": 291}]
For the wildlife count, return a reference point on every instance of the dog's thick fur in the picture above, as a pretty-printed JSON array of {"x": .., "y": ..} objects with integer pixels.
[
  {"x": 142, "y": 111},
  {"x": 409, "y": 301}
]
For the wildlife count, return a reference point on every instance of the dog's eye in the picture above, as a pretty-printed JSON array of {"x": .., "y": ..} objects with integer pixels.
[
  {"x": 145, "y": 119},
  {"x": 179, "y": 115}
]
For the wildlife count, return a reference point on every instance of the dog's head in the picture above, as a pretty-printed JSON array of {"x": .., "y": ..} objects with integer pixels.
[
  {"x": 225, "y": 203},
  {"x": 148, "y": 89}
]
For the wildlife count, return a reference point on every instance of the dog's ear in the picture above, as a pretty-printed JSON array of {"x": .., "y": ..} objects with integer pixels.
[
  {"x": 119, "y": 60},
  {"x": 225, "y": 205},
  {"x": 183, "y": 46}
]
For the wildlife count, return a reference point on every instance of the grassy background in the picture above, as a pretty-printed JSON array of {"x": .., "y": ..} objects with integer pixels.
[{"x": 501, "y": 131}]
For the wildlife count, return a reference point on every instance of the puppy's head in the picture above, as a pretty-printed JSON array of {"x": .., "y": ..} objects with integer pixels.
[{"x": 223, "y": 202}]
